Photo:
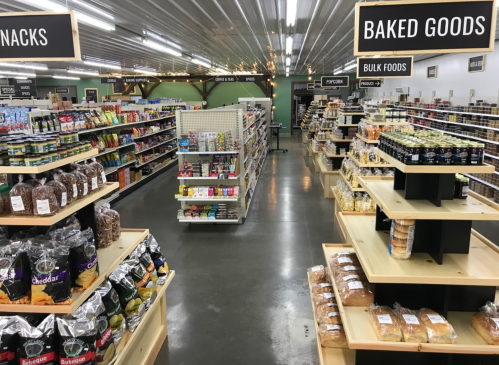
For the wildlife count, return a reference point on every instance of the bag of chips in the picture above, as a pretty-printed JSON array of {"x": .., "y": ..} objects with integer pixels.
[
  {"x": 50, "y": 283},
  {"x": 9, "y": 340},
  {"x": 158, "y": 258},
  {"x": 83, "y": 262},
  {"x": 141, "y": 254},
  {"x": 142, "y": 280},
  {"x": 77, "y": 341},
  {"x": 114, "y": 312},
  {"x": 14, "y": 275},
  {"x": 37, "y": 343}
]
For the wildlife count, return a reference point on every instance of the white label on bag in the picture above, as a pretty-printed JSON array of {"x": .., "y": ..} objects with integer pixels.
[
  {"x": 367, "y": 206},
  {"x": 328, "y": 295},
  {"x": 343, "y": 253},
  {"x": 435, "y": 318},
  {"x": 496, "y": 320},
  {"x": 350, "y": 268},
  {"x": 355, "y": 285},
  {"x": 316, "y": 268},
  {"x": 94, "y": 183},
  {"x": 410, "y": 319},
  {"x": 43, "y": 206},
  {"x": 332, "y": 304},
  {"x": 333, "y": 314},
  {"x": 325, "y": 285},
  {"x": 343, "y": 260},
  {"x": 85, "y": 189},
  {"x": 64, "y": 199},
  {"x": 103, "y": 175},
  {"x": 350, "y": 277},
  {"x": 333, "y": 327},
  {"x": 75, "y": 191},
  {"x": 17, "y": 203},
  {"x": 384, "y": 319}
]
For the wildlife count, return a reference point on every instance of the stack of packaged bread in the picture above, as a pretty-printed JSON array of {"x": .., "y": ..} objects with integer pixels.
[
  {"x": 402, "y": 238},
  {"x": 403, "y": 324},
  {"x": 486, "y": 323},
  {"x": 351, "y": 281},
  {"x": 330, "y": 329}
]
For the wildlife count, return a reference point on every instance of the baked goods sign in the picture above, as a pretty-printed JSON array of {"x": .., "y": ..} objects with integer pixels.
[{"x": 427, "y": 26}]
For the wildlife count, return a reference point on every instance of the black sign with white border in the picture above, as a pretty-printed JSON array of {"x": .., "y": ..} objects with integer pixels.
[
  {"x": 7, "y": 90},
  {"x": 317, "y": 84},
  {"x": 364, "y": 84},
  {"x": 25, "y": 93},
  {"x": 337, "y": 81},
  {"x": 427, "y": 26},
  {"x": 62, "y": 90},
  {"x": 310, "y": 86},
  {"x": 476, "y": 64},
  {"x": 225, "y": 79},
  {"x": 250, "y": 78},
  {"x": 19, "y": 87},
  {"x": 92, "y": 95},
  {"x": 24, "y": 81},
  {"x": 431, "y": 72},
  {"x": 110, "y": 80},
  {"x": 368, "y": 67},
  {"x": 134, "y": 80},
  {"x": 39, "y": 36}
]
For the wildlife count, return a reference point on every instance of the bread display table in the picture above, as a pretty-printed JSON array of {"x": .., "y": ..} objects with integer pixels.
[{"x": 327, "y": 178}]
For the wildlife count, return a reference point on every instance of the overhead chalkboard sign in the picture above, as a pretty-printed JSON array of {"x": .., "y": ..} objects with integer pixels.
[
  {"x": 19, "y": 87},
  {"x": 431, "y": 72},
  {"x": 317, "y": 84},
  {"x": 62, "y": 90},
  {"x": 310, "y": 86},
  {"x": 136, "y": 80},
  {"x": 428, "y": 26},
  {"x": 110, "y": 80},
  {"x": 25, "y": 93},
  {"x": 384, "y": 67},
  {"x": 24, "y": 81},
  {"x": 7, "y": 90},
  {"x": 225, "y": 79},
  {"x": 92, "y": 95},
  {"x": 364, "y": 84},
  {"x": 250, "y": 78},
  {"x": 476, "y": 64},
  {"x": 39, "y": 36},
  {"x": 338, "y": 81}
]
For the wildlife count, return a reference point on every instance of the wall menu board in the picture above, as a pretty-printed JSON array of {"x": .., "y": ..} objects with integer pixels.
[
  {"x": 310, "y": 86},
  {"x": 431, "y": 72},
  {"x": 92, "y": 95},
  {"x": 7, "y": 90},
  {"x": 424, "y": 26},
  {"x": 368, "y": 67},
  {"x": 476, "y": 64},
  {"x": 62, "y": 90},
  {"x": 39, "y": 36}
]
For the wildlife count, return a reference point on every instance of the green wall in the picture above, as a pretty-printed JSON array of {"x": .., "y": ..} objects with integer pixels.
[{"x": 229, "y": 92}]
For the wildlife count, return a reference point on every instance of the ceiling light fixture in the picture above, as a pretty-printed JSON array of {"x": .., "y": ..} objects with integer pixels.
[
  {"x": 287, "y": 74},
  {"x": 83, "y": 72},
  {"x": 287, "y": 70},
  {"x": 159, "y": 38},
  {"x": 289, "y": 45},
  {"x": 288, "y": 61},
  {"x": 337, "y": 72},
  {"x": 201, "y": 62},
  {"x": 291, "y": 10},
  {"x": 149, "y": 71},
  {"x": 17, "y": 73},
  {"x": 65, "y": 77},
  {"x": 103, "y": 64},
  {"x": 49, "y": 5},
  {"x": 310, "y": 78},
  {"x": 94, "y": 9},
  {"x": 160, "y": 47},
  {"x": 21, "y": 77},
  {"x": 28, "y": 66}
]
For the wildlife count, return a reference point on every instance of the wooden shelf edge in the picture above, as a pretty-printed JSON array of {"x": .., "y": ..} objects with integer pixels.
[
  {"x": 348, "y": 183},
  {"x": 365, "y": 140},
  {"x": 376, "y": 165}
]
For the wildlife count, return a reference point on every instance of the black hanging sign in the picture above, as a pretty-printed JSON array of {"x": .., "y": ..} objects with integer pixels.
[
  {"x": 7, "y": 90},
  {"x": 384, "y": 67},
  {"x": 370, "y": 83},
  {"x": 29, "y": 87},
  {"x": 110, "y": 80},
  {"x": 338, "y": 81},
  {"x": 310, "y": 86},
  {"x": 317, "y": 84},
  {"x": 24, "y": 81},
  {"x": 25, "y": 93},
  {"x": 476, "y": 64},
  {"x": 39, "y": 36},
  {"x": 134, "y": 80},
  {"x": 91, "y": 95},
  {"x": 224, "y": 79},
  {"x": 427, "y": 26},
  {"x": 431, "y": 72},
  {"x": 62, "y": 90},
  {"x": 250, "y": 78}
]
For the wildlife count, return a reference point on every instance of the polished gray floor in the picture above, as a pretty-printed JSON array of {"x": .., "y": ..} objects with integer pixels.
[{"x": 240, "y": 294}]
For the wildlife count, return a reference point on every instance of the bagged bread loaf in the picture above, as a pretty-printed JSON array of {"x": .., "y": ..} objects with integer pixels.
[
  {"x": 326, "y": 308},
  {"x": 318, "y": 288},
  {"x": 413, "y": 329},
  {"x": 345, "y": 277},
  {"x": 332, "y": 317},
  {"x": 323, "y": 298},
  {"x": 317, "y": 274},
  {"x": 332, "y": 335},
  {"x": 486, "y": 323},
  {"x": 357, "y": 294},
  {"x": 385, "y": 323},
  {"x": 438, "y": 329}
]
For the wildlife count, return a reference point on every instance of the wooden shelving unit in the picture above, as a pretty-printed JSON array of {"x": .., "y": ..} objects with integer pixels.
[
  {"x": 378, "y": 165},
  {"x": 327, "y": 178},
  {"x": 332, "y": 155},
  {"x": 365, "y": 140},
  {"x": 344, "y": 113},
  {"x": 348, "y": 183},
  {"x": 331, "y": 137},
  {"x": 368, "y": 121},
  {"x": 337, "y": 209}
]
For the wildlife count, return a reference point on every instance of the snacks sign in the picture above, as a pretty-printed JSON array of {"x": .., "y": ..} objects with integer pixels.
[
  {"x": 427, "y": 26},
  {"x": 39, "y": 36}
]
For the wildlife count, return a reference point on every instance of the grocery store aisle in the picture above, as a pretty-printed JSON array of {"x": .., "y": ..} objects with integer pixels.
[{"x": 240, "y": 294}]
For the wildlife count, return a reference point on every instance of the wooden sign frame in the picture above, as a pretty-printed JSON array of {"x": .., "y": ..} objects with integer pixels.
[
  {"x": 483, "y": 64},
  {"x": 426, "y": 51},
  {"x": 436, "y": 72},
  {"x": 76, "y": 36}
]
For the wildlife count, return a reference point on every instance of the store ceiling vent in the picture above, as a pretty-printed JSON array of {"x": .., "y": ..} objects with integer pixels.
[{"x": 402, "y": 90}]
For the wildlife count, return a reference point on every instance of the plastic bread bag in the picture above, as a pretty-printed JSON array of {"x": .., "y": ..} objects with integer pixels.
[
  {"x": 438, "y": 329},
  {"x": 158, "y": 258},
  {"x": 50, "y": 282},
  {"x": 348, "y": 202},
  {"x": 331, "y": 317},
  {"x": 94, "y": 309},
  {"x": 486, "y": 323},
  {"x": 402, "y": 238},
  {"x": 142, "y": 255},
  {"x": 37, "y": 342},
  {"x": 129, "y": 297},
  {"x": 317, "y": 274},
  {"x": 69, "y": 181},
  {"x": 104, "y": 225},
  {"x": 318, "y": 288},
  {"x": 21, "y": 198},
  {"x": 44, "y": 200},
  {"x": 14, "y": 274},
  {"x": 323, "y": 298},
  {"x": 114, "y": 313},
  {"x": 143, "y": 281},
  {"x": 385, "y": 323},
  {"x": 77, "y": 339},
  {"x": 9, "y": 340},
  {"x": 101, "y": 175},
  {"x": 413, "y": 330},
  {"x": 84, "y": 267},
  {"x": 60, "y": 192},
  {"x": 116, "y": 224},
  {"x": 345, "y": 277},
  {"x": 357, "y": 293},
  {"x": 326, "y": 308},
  {"x": 34, "y": 181},
  {"x": 358, "y": 202},
  {"x": 338, "y": 261},
  {"x": 332, "y": 335}
]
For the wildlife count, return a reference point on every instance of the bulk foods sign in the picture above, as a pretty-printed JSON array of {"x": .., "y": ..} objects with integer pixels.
[
  {"x": 428, "y": 26},
  {"x": 39, "y": 36}
]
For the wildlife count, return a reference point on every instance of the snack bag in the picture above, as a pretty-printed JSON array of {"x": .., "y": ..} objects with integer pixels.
[
  {"x": 9, "y": 340},
  {"x": 14, "y": 274},
  {"x": 101, "y": 175},
  {"x": 77, "y": 341},
  {"x": 141, "y": 254},
  {"x": 116, "y": 225},
  {"x": 44, "y": 200},
  {"x": 37, "y": 342},
  {"x": 60, "y": 192},
  {"x": 69, "y": 181},
  {"x": 104, "y": 224},
  {"x": 21, "y": 198},
  {"x": 142, "y": 280},
  {"x": 84, "y": 266},
  {"x": 158, "y": 258},
  {"x": 114, "y": 313}
]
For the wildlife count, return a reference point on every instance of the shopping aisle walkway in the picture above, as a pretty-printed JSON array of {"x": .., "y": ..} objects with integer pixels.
[{"x": 240, "y": 294}]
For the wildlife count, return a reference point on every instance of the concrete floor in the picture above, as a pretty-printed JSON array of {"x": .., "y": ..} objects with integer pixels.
[{"x": 240, "y": 294}]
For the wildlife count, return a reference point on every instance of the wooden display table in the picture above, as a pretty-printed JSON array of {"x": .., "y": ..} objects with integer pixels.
[{"x": 327, "y": 178}]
